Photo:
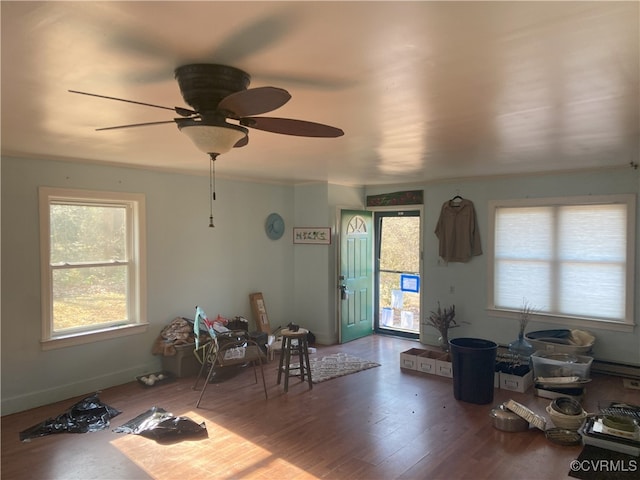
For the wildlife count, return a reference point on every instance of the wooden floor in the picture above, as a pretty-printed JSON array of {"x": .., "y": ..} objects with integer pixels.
[{"x": 381, "y": 423}]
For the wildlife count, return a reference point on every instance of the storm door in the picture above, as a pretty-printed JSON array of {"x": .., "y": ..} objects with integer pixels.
[{"x": 397, "y": 273}]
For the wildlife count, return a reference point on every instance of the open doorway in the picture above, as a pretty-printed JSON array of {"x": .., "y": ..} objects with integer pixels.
[{"x": 397, "y": 273}]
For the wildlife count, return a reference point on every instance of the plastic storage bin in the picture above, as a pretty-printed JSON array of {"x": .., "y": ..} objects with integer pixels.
[
  {"x": 184, "y": 363},
  {"x": 561, "y": 365},
  {"x": 473, "y": 361}
]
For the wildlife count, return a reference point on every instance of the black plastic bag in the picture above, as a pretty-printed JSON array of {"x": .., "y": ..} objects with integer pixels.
[
  {"x": 88, "y": 415},
  {"x": 162, "y": 426}
]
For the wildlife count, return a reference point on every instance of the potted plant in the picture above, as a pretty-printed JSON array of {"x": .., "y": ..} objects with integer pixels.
[
  {"x": 521, "y": 346},
  {"x": 443, "y": 320}
]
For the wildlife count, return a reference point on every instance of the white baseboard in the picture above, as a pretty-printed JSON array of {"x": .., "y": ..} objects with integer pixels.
[{"x": 87, "y": 387}]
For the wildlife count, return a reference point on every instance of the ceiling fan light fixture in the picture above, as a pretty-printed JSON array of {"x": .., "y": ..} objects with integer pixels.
[{"x": 213, "y": 139}]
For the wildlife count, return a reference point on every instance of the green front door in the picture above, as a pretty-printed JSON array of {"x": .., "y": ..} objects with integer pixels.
[{"x": 356, "y": 275}]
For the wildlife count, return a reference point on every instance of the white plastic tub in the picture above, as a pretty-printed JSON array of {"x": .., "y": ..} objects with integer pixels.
[{"x": 561, "y": 365}]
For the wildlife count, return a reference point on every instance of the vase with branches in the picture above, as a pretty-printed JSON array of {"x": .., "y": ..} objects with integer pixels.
[
  {"x": 521, "y": 346},
  {"x": 443, "y": 320}
]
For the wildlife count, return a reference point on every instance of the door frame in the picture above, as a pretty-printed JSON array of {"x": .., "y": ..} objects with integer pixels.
[
  {"x": 336, "y": 290},
  {"x": 376, "y": 269},
  {"x": 338, "y": 257},
  {"x": 376, "y": 303}
]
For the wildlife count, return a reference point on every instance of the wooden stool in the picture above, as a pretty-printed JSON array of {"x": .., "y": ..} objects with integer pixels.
[{"x": 301, "y": 349}]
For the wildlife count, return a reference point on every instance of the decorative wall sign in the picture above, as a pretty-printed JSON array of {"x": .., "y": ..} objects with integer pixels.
[
  {"x": 312, "y": 235},
  {"x": 411, "y": 197}
]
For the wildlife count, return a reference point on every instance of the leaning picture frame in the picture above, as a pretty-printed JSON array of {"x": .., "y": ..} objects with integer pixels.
[{"x": 312, "y": 235}]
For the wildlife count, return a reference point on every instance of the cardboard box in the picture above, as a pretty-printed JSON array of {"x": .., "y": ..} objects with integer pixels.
[
  {"x": 409, "y": 358},
  {"x": 516, "y": 383},
  {"x": 426, "y": 362},
  {"x": 444, "y": 367}
]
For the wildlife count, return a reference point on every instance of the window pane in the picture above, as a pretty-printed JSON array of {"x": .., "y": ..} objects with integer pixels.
[
  {"x": 592, "y": 291},
  {"x": 85, "y": 297},
  {"x": 517, "y": 281},
  {"x": 399, "y": 305},
  {"x": 593, "y": 233},
  {"x": 523, "y": 233},
  {"x": 400, "y": 244},
  {"x": 87, "y": 233}
]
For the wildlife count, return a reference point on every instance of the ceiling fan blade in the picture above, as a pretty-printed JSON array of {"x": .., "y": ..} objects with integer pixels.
[
  {"x": 253, "y": 37},
  {"x": 184, "y": 112},
  {"x": 132, "y": 125},
  {"x": 242, "y": 142},
  {"x": 254, "y": 101},
  {"x": 315, "y": 82},
  {"x": 289, "y": 126}
]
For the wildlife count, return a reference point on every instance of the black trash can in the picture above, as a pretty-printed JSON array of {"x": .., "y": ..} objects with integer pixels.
[{"x": 473, "y": 361}]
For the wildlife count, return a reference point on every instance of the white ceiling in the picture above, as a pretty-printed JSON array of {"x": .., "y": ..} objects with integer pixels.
[{"x": 423, "y": 90}]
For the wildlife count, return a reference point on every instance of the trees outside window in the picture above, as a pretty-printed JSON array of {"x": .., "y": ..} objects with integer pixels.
[{"x": 93, "y": 263}]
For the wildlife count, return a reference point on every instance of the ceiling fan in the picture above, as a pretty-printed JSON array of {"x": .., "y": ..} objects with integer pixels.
[{"x": 218, "y": 93}]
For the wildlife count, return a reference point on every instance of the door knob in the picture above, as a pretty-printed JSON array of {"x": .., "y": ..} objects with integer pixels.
[{"x": 343, "y": 292}]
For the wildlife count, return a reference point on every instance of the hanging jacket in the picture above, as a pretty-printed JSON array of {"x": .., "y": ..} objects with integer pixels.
[{"x": 457, "y": 230}]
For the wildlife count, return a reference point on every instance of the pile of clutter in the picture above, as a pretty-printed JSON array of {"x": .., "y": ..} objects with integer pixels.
[
  {"x": 178, "y": 332},
  {"x": 561, "y": 367},
  {"x": 562, "y": 362},
  {"x": 560, "y": 370}
]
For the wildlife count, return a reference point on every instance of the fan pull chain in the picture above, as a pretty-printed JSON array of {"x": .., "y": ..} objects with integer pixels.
[{"x": 212, "y": 188}]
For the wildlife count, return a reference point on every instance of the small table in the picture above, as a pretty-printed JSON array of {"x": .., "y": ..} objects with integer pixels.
[{"x": 301, "y": 349}]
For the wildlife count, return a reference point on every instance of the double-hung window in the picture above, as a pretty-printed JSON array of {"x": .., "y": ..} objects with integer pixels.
[
  {"x": 570, "y": 259},
  {"x": 92, "y": 265}
]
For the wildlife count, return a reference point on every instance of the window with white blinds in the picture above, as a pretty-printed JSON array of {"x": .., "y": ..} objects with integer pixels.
[{"x": 570, "y": 257}]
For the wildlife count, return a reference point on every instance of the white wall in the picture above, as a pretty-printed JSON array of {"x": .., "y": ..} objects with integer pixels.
[
  {"x": 310, "y": 263},
  {"x": 316, "y": 283},
  {"x": 469, "y": 279},
  {"x": 188, "y": 264}
]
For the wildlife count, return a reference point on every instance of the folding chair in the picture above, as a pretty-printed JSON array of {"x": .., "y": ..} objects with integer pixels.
[{"x": 227, "y": 350}]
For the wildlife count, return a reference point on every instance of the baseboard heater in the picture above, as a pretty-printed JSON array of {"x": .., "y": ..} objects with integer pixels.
[
  {"x": 600, "y": 366},
  {"x": 617, "y": 369}
]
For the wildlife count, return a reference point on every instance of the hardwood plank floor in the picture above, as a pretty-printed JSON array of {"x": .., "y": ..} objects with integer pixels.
[{"x": 381, "y": 423}]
